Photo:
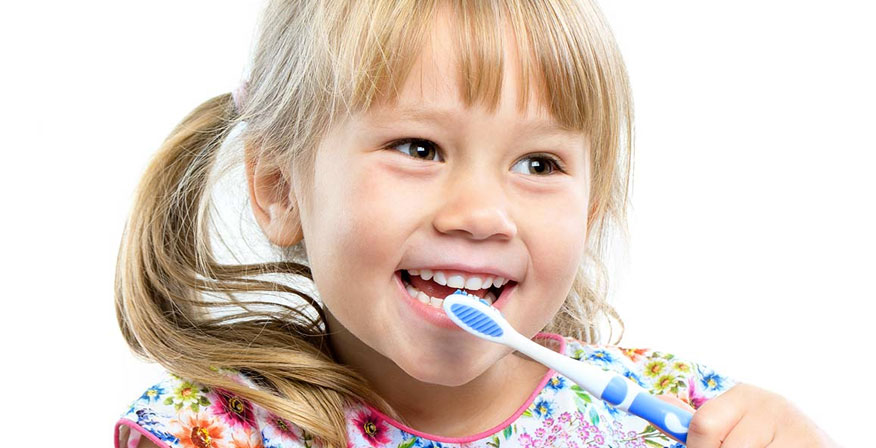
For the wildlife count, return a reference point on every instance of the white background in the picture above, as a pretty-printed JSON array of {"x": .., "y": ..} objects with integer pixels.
[{"x": 752, "y": 228}]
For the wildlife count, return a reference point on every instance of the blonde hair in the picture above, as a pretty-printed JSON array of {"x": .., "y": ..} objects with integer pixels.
[{"x": 315, "y": 62}]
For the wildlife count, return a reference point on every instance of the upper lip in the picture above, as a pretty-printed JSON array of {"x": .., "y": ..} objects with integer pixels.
[{"x": 470, "y": 269}]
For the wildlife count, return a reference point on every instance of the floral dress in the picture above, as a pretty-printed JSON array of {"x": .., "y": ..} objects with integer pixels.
[{"x": 179, "y": 413}]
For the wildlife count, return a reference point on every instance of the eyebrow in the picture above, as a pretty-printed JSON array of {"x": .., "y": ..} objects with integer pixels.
[{"x": 448, "y": 116}]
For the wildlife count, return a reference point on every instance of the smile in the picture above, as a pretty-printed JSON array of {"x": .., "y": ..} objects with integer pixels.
[{"x": 431, "y": 287}]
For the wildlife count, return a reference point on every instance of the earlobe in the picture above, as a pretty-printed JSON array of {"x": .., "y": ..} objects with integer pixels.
[{"x": 272, "y": 200}]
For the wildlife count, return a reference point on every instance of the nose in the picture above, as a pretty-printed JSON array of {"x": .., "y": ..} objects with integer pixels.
[{"x": 475, "y": 206}]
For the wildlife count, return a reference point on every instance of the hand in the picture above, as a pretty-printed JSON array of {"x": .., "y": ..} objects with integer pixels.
[{"x": 748, "y": 416}]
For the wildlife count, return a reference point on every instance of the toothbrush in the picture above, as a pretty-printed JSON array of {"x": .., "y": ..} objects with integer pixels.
[{"x": 479, "y": 318}]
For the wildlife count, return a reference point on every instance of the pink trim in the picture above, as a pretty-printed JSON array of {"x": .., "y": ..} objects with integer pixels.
[
  {"x": 497, "y": 428},
  {"x": 123, "y": 421}
]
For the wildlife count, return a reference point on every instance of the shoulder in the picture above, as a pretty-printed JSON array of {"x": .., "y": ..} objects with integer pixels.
[
  {"x": 175, "y": 412},
  {"x": 657, "y": 371}
]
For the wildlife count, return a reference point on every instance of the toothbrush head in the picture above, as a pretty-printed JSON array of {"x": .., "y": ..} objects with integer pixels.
[{"x": 476, "y": 316}]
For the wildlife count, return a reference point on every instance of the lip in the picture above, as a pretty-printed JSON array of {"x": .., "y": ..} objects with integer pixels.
[{"x": 435, "y": 315}]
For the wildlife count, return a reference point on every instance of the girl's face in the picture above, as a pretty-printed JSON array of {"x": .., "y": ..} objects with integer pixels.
[{"x": 476, "y": 193}]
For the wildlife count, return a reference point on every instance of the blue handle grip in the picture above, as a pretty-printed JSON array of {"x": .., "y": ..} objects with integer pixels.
[
  {"x": 667, "y": 417},
  {"x": 671, "y": 419}
]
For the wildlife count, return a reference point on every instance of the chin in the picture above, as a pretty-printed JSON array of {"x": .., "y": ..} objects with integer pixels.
[
  {"x": 452, "y": 369},
  {"x": 447, "y": 375}
]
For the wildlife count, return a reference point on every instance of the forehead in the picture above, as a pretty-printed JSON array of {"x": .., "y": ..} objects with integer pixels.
[{"x": 433, "y": 90}]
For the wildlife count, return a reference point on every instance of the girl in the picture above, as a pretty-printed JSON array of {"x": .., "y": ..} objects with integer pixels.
[{"x": 396, "y": 151}]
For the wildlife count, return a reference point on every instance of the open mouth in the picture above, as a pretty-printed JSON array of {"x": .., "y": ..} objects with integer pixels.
[{"x": 432, "y": 287}]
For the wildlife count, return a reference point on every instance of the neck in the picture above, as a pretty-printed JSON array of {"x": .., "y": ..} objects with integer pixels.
[{"x": 450, "y": 411}]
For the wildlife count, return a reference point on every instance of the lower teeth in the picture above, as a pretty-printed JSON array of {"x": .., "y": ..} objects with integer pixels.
[{"x": 436, "y": 302}]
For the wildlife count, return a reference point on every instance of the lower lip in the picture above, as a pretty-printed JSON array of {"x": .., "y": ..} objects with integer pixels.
[{"x": 436, "y": 315}]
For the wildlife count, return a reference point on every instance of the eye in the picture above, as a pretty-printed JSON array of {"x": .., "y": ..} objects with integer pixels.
[
  {"x": 541, "y": 164},
  {"x": 416, "y": 148}
]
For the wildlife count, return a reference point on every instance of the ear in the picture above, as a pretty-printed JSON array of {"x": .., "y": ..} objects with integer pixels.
[{"x": 273, "y": 200}]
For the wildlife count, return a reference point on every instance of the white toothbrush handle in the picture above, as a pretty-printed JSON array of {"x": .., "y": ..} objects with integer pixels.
[{"x": 614, "y": 389}]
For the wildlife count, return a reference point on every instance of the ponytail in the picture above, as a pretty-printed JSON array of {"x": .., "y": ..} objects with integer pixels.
[{"x": 165, "y": 266}]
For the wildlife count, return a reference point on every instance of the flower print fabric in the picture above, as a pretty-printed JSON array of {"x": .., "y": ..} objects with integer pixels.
[{"x": 179, "y": 413}]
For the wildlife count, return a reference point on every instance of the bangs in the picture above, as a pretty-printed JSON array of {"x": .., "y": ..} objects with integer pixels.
[
  {"x": 568, "y": 63},
  {"x": 564, "y": 63}
]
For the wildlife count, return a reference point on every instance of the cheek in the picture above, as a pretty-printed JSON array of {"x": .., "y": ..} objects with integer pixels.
[
  {"x": 556, "y": 242},
  {"x": 359, "y": 225},
  {"x": 559, "y": 236},
  {"x": 375, "y": 217}
]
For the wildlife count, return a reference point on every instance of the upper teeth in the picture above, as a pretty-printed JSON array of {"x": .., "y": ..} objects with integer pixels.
[{"x": 470, "y": 282}]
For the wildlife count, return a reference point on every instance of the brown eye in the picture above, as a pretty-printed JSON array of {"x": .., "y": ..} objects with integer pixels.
[
  {"x": 416, "y": 148},
  {"x": 539, "y": 165}
]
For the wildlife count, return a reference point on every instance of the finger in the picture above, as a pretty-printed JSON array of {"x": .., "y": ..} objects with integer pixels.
[
  {"x": 751, "y": 431},
  {"x": 716, "y": 418}
]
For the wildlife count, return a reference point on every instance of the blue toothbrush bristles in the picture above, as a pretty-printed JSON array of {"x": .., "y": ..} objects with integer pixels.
[
  {"x": 466, "y": 293},
  {"x": 474, "y": 318}
]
